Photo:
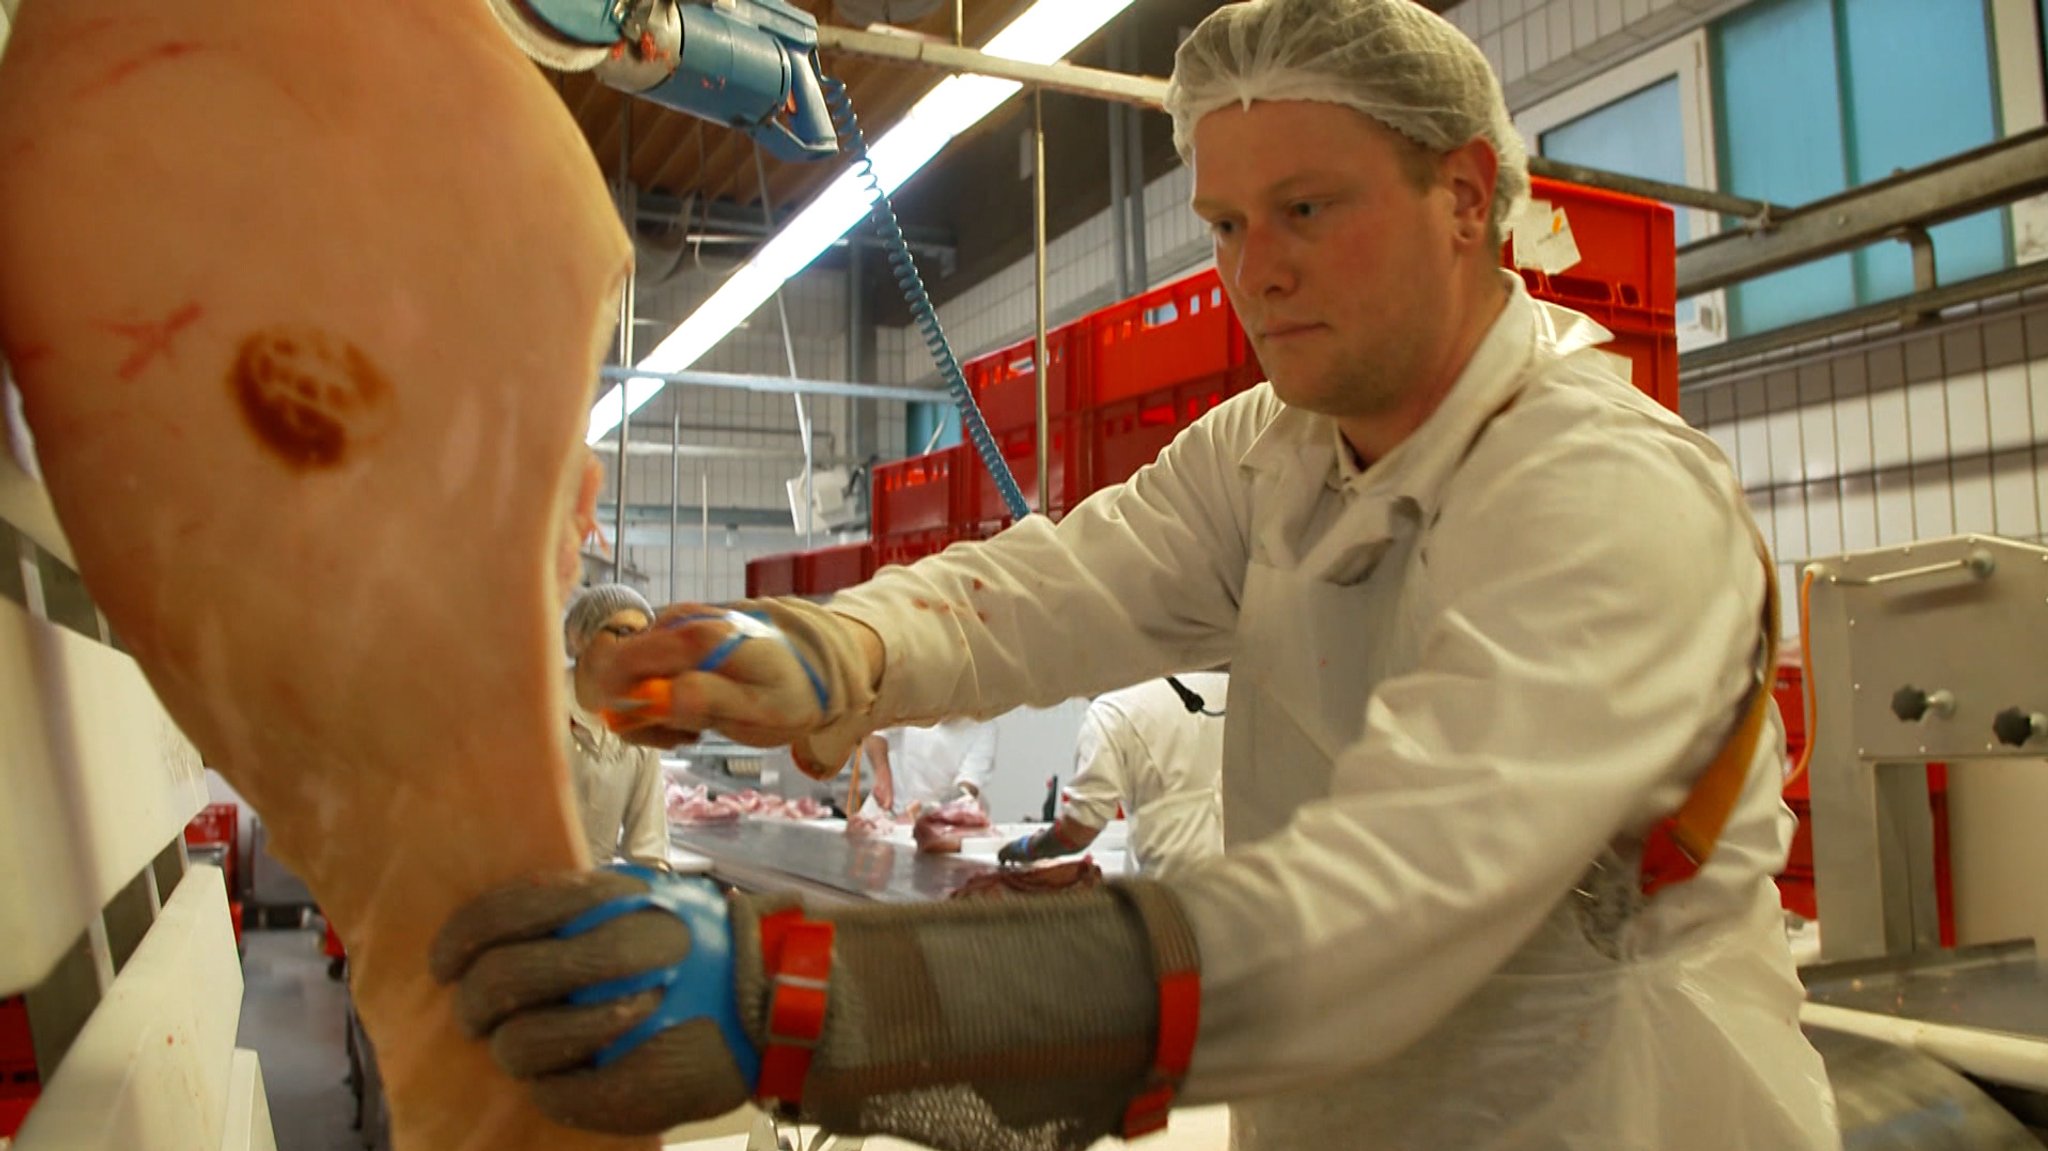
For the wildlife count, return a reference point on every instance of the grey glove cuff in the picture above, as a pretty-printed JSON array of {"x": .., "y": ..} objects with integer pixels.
[{"x": 1026, "y": 1024}]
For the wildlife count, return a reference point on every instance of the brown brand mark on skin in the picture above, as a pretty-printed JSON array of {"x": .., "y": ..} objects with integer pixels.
[
  {"x": 308, "y": 396},
  {"x": 151, "y": 340},
  {"x": 126, "y": 69}
]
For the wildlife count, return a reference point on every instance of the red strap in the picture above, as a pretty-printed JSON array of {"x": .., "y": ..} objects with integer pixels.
[
  {"x": 1180, "y": 1017},
  {"x": 797, "y": 956}
]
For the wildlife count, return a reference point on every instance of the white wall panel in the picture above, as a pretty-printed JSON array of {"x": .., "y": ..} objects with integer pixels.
[{"x": 1896, "y": 441}]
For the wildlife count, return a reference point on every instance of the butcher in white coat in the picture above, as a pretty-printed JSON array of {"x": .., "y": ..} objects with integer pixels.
[{"x": 1501, "y": 782}]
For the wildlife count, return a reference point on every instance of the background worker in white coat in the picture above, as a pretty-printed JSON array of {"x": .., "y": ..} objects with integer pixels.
[
  {"x": 1494, "y": 620},
  {"x": 929, "y": 766},
  {"x": 1156, "y": 754},
  {"x": 620, "y": 788}
]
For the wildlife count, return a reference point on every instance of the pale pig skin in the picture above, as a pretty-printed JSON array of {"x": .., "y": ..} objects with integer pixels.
[{"x": 306, "y": 307}]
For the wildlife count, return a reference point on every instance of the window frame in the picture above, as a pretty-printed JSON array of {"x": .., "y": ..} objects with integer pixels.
[{"x": 1684, "y": 58}]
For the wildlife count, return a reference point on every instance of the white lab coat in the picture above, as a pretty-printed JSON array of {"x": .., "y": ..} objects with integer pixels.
[
  {"x": 927, "y": 765},
  {"x": 1142, "y": 750},
  {"x": 1464, "y": 683}
]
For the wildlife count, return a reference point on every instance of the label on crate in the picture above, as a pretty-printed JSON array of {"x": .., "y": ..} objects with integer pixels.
[{"x": 1543, "y": 238}]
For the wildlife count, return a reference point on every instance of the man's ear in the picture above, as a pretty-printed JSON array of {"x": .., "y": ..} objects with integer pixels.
[{"x": 1469, "y": 172}]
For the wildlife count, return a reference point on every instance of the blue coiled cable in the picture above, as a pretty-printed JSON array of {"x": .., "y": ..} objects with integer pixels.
[{"x": 847, "y": 124}]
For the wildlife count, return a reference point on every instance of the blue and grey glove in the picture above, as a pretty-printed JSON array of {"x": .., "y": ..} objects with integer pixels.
[
  {"x": 631, "y": 1001},
  {"x": 612, "y": 993}
]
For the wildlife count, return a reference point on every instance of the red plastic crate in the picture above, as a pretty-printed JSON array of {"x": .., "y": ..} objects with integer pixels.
[
  {"x": 1628, "y": 254},
  {"x": 1648, "y": 341},
  {"x": 1066, "y": 467},
  {"x": 1005, "y": 383},
  {"x": 823, "y": 571},
  {"x": 771, "y": 575},
  {"x": 218, "y": 823},
  {"x": 17, "y": 1045},
  {"x": 908, "y": 548},
  {"x": 1625, "y": 280},
  {"x": 921, "y": 494},
  {"x": 1183, "y": 333},
  {"x": 14, "y": 1108},
  {"x": 1792, "y": 709},
  {"x": 1126, "y": 436}
]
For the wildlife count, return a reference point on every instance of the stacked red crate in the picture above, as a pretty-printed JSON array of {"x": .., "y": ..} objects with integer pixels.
[
  {"x": 1625, "y": 278},
  {"x": 19, "y": 1082},
  {"x": 1123, "y": 381},
  {"x": 771, "y": 575}
]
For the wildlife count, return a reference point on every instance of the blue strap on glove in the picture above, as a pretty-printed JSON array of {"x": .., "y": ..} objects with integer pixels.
[
  {"x": 748, "y": 625},
  {"x": 700, "y": 987}
]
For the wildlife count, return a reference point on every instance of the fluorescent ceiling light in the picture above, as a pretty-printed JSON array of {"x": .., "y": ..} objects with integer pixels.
[{"x": 1044, "y": 34}]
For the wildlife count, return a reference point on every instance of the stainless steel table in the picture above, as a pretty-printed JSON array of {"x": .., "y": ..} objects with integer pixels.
[{"x": 819, "y": 860}]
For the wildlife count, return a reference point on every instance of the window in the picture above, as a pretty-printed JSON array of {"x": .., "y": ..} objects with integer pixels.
[
  {"x": 1651, "y": 117},
  {"x": 930, "y": 427},
  {"x": 1815, "y": 96}
]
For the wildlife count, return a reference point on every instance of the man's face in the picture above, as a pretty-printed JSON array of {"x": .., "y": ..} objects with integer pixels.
[
  {"x": 620, "y": 625},
  {"x": 1337, "y": 257}
]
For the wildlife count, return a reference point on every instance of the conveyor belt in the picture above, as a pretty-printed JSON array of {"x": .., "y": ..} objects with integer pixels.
[
  {"x": 821, "y": 860},
  {"x": 2000, "y": 987},
  {"x": 1891, "y": 1099}
]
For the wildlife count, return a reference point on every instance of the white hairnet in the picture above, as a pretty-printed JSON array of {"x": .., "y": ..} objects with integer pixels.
[
  {"x": 1393, "y": 60},
  {"x": 592, "y": 607}
]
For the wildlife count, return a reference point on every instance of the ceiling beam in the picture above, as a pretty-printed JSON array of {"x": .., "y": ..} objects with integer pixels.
[{"x": 1144, "y": 91}]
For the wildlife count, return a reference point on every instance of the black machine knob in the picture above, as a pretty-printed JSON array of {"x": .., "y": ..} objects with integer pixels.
[
  {"x": 1911, "y": 704},
  {"x": 2015, "y": 727}
]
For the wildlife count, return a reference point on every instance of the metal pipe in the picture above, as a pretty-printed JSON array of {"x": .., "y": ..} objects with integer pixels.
[
  {"x": 1979, "y": 563},
  {"x": 777, "y": 385},
  {"x": 704, "y": 537},
  {"x": 1134, "y": 144},
  {"x": 1756, "y": 211},
  {"x": 857, "y": 438},
  {"x": 1752, "y": 356},
  {"x": 1043, "y": 373},
  {"x": 789, "y": 455},
  {"x": 803, "y": 416},
  {"x": 1998, "y": 173},
  {"x": 1143, "y": 91},
  {"x": 2009, "y": 1059},
  {"x": 1119, "y": 236},
  {"x": 959, "y": 23},
  {"x": 675, "y": 497},
  {"x": 628, "y": 308}
]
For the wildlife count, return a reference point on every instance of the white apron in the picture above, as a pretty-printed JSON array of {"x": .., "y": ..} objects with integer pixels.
[{"x": 1573, "y": 1045}]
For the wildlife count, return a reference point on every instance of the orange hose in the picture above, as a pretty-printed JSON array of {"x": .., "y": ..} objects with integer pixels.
[{"x": 1805, "y": 673}]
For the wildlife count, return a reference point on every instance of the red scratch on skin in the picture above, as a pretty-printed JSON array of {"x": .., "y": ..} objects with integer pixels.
[
  {"x": 152, "y": 340},
  {"x": 978, "y": 585},
  {"x": 921, "y": 604},
  {"x": 982, "y": 616},
  {"x": 126, "y": 69}
]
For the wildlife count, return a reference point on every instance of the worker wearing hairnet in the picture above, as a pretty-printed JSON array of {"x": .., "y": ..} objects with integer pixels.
[
  {"x": 1501, "y": 781},
  {"x": 619, "y": 786},
  {"x": 1157, "y": 755}
]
